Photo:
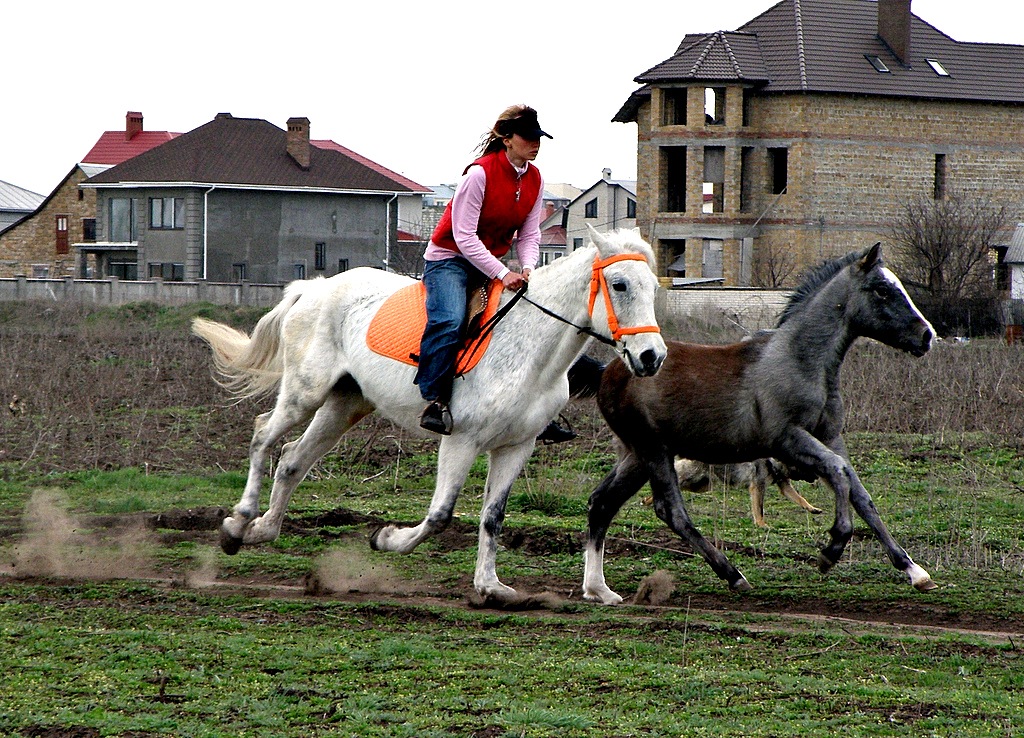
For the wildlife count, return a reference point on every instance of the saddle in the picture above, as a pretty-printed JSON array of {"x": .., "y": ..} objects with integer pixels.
[{"x": 397, "y": 327}]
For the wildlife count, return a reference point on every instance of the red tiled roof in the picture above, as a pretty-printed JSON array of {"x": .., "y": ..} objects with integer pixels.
[
  {"x": 553, "y": 236},
  {"x": 333, "y": 146},
  {"x": 406, "y": 236},
  {"x": 112, "y": 148}
]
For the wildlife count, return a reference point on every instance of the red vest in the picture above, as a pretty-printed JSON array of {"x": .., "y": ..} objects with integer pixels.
[{"x": 501, "y": 213}]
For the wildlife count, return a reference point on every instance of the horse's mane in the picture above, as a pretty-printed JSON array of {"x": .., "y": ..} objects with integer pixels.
[{"x": 814, "y": 281}]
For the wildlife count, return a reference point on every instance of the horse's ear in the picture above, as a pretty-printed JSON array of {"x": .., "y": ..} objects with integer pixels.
[
  {"x": 599, "y": 240},
  {"x": 871, "y": 258}
]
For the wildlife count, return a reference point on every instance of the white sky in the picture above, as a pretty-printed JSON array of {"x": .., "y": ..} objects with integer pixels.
[{"x": 411, "y": 85}]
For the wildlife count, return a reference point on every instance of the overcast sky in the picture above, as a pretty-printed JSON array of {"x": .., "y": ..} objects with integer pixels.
[{"x": 411, "y": 85}]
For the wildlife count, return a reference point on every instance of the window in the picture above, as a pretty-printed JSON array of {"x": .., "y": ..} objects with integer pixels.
[
  {"x": 298, "y": 271},
  {"x": 712, "y": 258},
  {"x": 877, "y": 63},
  {"x": 546, "y": 257},
  {"x": 673, "y": 107},
  {"x": 673, "y": 179},
  {"x": 122, "y": 220},
  {"x": 577, "y": 243},
  {"x": 748, "y": 97},
  {"x": 240, "y": 271},
  {"x": 778, "y": 169},
  {"x": 590, "y": 209},
  {"x": 342, "y": 265},
  {"x": 673, "y": 256},
  {"x": 714, "y": 179},
  {"x": 166, "y": 212},
  {"x": 714, "y": 106},
  {"x": 167, "y": 271},
  {"x": 746, "y": 179},
  {"x": 939, "y": 184},
  {"x": 630, "y": 208},
  {"x": 937, "y": 67},
  {"x": 124, "y": 269},
  {"x": 320, "y": 256},
  {"x": 89, "y": 230}
]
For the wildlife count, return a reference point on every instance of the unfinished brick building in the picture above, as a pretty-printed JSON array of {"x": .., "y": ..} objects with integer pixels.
[{"x": 764, "y": 150}]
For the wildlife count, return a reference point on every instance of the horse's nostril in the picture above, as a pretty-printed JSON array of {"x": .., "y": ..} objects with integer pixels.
[{"x": 649, "y": 359}]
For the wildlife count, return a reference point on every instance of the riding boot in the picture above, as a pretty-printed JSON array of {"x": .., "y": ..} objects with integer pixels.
[
  {"x": 437, "y": 418},
  {"x": 555, "y": 433}
]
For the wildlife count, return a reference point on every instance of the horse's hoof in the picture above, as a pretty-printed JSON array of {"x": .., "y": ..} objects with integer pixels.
[
  {"x": 740, "y": 585},
  {"x": 230, "y": 544},
  {"x": 606, "y": 597},
  {"x": 921, "y": 579},
  {"x": 375, "y": 538},
  {"x": 825, "y": 564}
]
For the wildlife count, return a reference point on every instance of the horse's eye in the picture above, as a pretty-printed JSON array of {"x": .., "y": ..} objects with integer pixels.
[
  {"x": 619, "y": 286},
  {"x": 882, "y": 293}
]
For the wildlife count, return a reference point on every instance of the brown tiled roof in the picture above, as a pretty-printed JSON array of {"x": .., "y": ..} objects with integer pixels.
[
  {"x": 716, "y": 56},
  {"x": 250, "y": 151},
  {"x": 821, "y": 46}
]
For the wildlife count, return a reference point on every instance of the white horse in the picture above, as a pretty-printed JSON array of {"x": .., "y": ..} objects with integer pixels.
[{"x": 312, "y": 347}]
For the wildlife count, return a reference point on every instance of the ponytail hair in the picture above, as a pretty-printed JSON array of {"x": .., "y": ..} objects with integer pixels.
[{"x": 494, "y": 139}]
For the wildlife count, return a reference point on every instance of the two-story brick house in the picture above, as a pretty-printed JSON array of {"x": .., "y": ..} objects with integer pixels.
[
  {"x": 39, "y": 245},
  {"x": 239, "y": 199},
  {"x": 797, "y": 136}
]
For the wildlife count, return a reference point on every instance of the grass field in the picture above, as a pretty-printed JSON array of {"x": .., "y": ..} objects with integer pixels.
[{"x": 119, "y": 615}]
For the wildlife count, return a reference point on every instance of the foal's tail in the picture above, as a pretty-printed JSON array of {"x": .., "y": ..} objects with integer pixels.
[{"x": 249, "y": 366}]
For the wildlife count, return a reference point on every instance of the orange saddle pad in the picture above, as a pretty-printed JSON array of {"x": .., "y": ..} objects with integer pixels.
[{"x": 397, "y": 328}]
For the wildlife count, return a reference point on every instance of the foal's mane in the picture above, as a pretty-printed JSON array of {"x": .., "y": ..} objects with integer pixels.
[{"x": 814, "y": 281}]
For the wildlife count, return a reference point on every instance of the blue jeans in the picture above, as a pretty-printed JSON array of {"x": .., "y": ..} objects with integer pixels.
[{"x": 446, "y": 282}]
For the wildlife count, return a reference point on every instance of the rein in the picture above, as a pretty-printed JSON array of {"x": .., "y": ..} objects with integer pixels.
[{"x": 597, "y": 284}]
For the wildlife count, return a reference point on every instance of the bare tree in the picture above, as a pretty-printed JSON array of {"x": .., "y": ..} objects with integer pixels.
[
  {"x": 944, "y": 246},
  {"x": 773, "y": 266}
]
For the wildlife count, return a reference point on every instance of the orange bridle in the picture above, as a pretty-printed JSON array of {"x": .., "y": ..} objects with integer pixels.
[{"x": 599, "y": 283}]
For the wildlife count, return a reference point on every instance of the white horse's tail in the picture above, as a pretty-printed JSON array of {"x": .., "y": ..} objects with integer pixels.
[{"x": 249, "y": 366}]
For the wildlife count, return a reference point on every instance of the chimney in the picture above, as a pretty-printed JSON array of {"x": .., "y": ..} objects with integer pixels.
[
  {"x": 298, "y": 141},
  {"x": 606, "y": 174},
  {"x": 132, "y": 125},
  {"x": 894, "y": 27}
]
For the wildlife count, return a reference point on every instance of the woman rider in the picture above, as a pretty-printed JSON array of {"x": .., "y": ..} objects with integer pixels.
[{"x": 500, "y": 197}]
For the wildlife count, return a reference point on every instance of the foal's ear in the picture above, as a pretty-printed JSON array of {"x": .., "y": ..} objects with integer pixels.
[{"x": 871, "y": 258}]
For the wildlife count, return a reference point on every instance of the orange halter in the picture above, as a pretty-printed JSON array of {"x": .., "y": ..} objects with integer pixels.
[{"x": 598, "y": 282}]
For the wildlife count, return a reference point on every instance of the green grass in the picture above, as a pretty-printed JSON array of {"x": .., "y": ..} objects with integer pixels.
[
  {"x": 179, "y": 663},
  {"x": 143, "y": 656}
]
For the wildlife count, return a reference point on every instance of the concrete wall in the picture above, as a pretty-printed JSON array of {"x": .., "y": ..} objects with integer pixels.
[
  {"x": 751, "y": 308},
  {"x": 118, "y": 292}
]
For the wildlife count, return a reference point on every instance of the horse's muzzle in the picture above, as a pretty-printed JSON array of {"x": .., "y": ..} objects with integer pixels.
[
  {"x": 647, "y": 364},
  {"x": 923, "y": 343}
]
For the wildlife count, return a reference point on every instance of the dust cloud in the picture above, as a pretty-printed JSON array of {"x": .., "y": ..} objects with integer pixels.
[
  {"x": 351, "y": 569},
  {"x": 55, "y": 543}
]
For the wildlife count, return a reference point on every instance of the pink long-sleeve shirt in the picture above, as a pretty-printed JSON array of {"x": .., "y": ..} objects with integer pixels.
[{"x": 466, "y": 204}]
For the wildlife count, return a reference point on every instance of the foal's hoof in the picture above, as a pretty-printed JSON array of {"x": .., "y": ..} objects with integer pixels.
[
  {"x": 926, "y": 586},
  {"x": 230, "y": 544},
  {"x": 825, "y": 564},
  {"x": 740, "y": 585}
]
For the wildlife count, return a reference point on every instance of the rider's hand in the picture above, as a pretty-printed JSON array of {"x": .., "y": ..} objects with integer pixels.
[{"x": 513, "y": 281}]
